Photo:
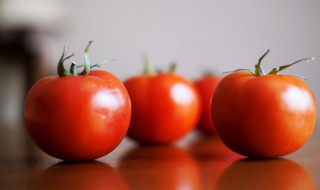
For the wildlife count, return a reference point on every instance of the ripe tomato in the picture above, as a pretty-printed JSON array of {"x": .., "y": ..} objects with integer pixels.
[
  {"x": 165, "y": 107},
  {"x": 263, "y": 115},
  {"x": 77, "y": 117},
  {"x": 206, "y": 86}
]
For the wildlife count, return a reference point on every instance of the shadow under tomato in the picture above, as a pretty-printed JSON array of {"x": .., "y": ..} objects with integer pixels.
[
  {"x": 270, "y": 174},
  {"x": 87, "y": 175},
  {"x": 159, "y": 167},
  {"x": 213, "y": 158}
]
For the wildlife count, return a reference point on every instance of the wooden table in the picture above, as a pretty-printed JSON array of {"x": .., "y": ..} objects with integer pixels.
[{"x": 195, "y": 162}]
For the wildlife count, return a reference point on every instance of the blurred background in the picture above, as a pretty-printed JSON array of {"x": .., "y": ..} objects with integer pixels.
[{"x": 199, "y": 35}]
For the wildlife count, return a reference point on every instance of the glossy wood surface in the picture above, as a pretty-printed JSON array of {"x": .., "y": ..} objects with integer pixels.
[{"x": 195, "y": 162}]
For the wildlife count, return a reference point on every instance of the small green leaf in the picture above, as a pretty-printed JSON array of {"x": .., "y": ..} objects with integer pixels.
[
  {"x": 148, "y": 70},
  {"x": 258, "y": 70},
  {"x": 61, "y": 69},
  {"x": 281, "y": 68},
  {"x": 86, "y": 64},
  {"x": 173, "y": 67},
  {"x": 247, "y": 70}
]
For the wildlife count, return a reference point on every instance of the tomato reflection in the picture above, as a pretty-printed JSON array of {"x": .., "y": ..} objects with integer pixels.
[
  {"x": 160, "y": 167},
  {"x": 89, "y": 175},
  {"x": 272, "y": 174},
  {"x": 205, "y": 147},
  {"x": 213, "y": 158}
]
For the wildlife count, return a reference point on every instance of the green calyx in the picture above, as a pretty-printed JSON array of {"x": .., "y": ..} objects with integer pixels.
[
  {"x": 62, "y": 71},
  {"x": 258, "y": 69},
  {"x": 260, "y": 72},
  {"x": 149, "y": 69},
  {"x": 275, "y": 71}
]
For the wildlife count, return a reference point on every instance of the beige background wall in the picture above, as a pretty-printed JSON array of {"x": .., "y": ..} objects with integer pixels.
[{"x": 199, "y": 35}]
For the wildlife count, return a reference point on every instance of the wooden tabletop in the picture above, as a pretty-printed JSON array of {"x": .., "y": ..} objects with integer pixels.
[{"x": 195, "y": 162}]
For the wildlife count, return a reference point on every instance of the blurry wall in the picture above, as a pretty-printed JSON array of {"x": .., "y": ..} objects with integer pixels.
[{"x": 199, "y": 35}]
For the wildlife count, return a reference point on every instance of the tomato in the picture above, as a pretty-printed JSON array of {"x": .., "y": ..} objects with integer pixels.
[
  {"x": 79, "y": 117},
  {"x": 263, "y": 115},
  {"x": 165, "y": 107},
  {"x": 206, "y": 86}
]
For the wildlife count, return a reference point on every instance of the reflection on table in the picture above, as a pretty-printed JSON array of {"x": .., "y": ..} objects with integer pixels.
[{"x": 196, "y": 162}]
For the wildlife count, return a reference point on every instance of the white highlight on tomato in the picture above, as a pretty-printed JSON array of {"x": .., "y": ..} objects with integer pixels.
[
  {"x": 297, "y": 98},
  {"x": 109, "y": 99},
  {"x": 182, "y": 94}
]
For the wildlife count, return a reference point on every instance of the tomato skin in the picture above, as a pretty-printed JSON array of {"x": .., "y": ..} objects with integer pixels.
[
  {"x": 78, "y": 118},
  {"x": 206, "y": 86},
  {"x": 165, "y": 107},
  {"x": 265, "y": 116}
]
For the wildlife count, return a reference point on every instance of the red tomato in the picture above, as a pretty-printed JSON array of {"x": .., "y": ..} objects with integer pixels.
[
  {"x": 206, "y": 86},
  {"x": 263, "y": 115},
  {"x": 165, "y": 107},
  {"x": 77, "y": 117}
]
